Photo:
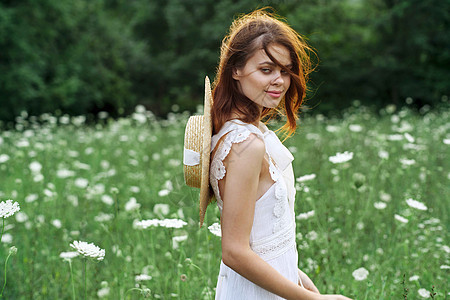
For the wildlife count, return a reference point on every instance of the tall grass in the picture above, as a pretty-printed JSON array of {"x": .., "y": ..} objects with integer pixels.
[{"x": 92, "y": 183}]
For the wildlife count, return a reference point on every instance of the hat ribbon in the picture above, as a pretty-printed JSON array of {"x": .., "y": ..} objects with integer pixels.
[{"x": 191, "y": 157}]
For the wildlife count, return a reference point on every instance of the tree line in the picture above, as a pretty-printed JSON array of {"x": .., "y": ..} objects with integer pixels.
[{"x": 82, "y": 57}]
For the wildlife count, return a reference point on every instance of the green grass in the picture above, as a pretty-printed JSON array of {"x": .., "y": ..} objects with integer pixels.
[{"x": 125, "y": 159}]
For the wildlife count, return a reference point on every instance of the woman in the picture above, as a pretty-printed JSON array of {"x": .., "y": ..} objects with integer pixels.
[{"x": 263, "y": 70}]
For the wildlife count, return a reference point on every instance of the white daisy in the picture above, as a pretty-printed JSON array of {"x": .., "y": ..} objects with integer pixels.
[
  {"x": 331, "y": 128},
  {"x": 215, "y": 229},
  {"x": 38, "y": 177},
  {"x": 424, "y": 293},
  {"x": 395, "y": 137},
  {"x": 4, "y": 158},
  {"x": 8, "y": 208},
  {"x": 81, "y": 182},
  {"x": 172, "y": 223},
  {"x": 21, "y": 217},
  {"x": 48, "y": 193},
  {"x": 163, "y": 192},
  {"x": 57, "y": 223},
  {"x": 35, "y": 167},
  {"x": 132, "y": 204},
  {"x": 174, "y": 162},
  {"x": 145, "y": 224},
  {"x": 103, "y": 292},
  {"x": 13, "y": 250},
  {"x": 306, "y": 178},
  {"x": 407, "y": 162},
  {"x": 383, "y": 154},
  {"x": 379, "y": 205},
  {"x": 409, "y": 137},
  {"x": 414, "y": 278},
  {"x": 88, "y": 250},
  {"x": 168, "y": 223},
  {"x": 416, "y": 204},
  {"x": 341, "y": 157},
  {"x": 135, "y": 189},
  {"x": 7, "y": 238},
  {"x": 360, "y": 274},
  {"x": 79, "y": 165},
  {"x": 306, "y": 215},
  {"x": 385, "y": 197},
  {"x": 142, "y": 277},
  {"x": 360, "y": 225},
  {"x": 140, "y": 118},
  {"x": 355, "y": 127},
  {"x": 89, "y": 151},
  {"x": 312, "y": 235},
  {"x": 102, "y": 217},
  {"x": 161, "y": 209},
  {"x": 107, "y": 199},
  {"x": 312, "y": 136},
  {"x": 31, "y": 198},
  {"x": 401, "y": 219},
  {"x": 64, "y": 173},
  {"x": 168, "y": 185},
  {"x": 177, "y": 239},
  {"x": 68, "y": 255}
]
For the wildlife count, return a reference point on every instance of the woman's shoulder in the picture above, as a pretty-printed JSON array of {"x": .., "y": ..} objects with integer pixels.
[
  {"x": 250, "y": 150},
  {"x": 239, "y": 126},
  {"x": 238, "y": 144},
  {"x": 236, "y": 131}
]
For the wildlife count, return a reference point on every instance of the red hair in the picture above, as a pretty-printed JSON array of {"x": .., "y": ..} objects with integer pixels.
[{"x": 248, "y": 34}]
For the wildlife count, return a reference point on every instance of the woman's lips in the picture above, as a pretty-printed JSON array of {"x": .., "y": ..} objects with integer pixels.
[{"x": 274, "y": 94}]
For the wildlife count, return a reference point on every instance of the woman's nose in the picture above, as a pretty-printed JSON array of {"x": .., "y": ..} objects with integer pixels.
[{"x": 278, "y": 80}]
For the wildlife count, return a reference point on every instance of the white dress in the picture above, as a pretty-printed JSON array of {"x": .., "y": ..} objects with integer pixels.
[{"x": 273, "y": 232}]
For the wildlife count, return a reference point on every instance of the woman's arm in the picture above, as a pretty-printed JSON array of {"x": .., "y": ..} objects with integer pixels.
[
  {"x": 243, "y": 165},
  {"x": 307, "y": 282}
]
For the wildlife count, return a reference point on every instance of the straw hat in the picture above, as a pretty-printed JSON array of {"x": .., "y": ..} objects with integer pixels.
[{"x": 197, "y": 148}]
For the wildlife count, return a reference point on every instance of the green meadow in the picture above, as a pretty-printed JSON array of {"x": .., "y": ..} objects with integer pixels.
[{"x": 384, "y": 207}]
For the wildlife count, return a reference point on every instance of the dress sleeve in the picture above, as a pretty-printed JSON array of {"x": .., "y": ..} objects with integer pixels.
[{"x": 217, "y": 168}]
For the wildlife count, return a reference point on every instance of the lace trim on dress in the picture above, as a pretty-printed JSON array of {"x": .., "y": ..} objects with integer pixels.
[
  {"x": 217, "y": 168},
  {"x": 275, "y": 245},
  {"x": 280, "y": 208}
]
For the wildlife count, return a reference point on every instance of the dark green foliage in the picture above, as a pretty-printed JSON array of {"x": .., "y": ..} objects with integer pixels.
[
  {"x": 85, "y": 56},
  {"x": 377, "y": 51},
  {"x": 71, "y": 56}
]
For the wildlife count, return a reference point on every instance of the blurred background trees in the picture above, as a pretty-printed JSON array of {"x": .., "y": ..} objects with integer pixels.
[{"x": 81, "y": 57}]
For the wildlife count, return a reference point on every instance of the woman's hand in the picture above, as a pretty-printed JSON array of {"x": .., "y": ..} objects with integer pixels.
[
  {"x": 309, "y": 285},
  {"x": 335, "y": 297},
  {"x": 307, "y": 282}
]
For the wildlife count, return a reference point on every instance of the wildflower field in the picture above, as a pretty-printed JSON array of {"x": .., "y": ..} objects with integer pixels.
[{"x": 104, "y": 211}]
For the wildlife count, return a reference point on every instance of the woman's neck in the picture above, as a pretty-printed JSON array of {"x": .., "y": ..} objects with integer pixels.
[{"x": 237, "y": 116}]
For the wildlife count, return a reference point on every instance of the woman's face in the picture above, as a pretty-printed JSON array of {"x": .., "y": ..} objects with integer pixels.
[{"x": 263, "y": 81}]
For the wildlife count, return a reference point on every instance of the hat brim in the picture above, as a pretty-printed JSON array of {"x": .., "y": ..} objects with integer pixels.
[{"x": 205, "y": 195}]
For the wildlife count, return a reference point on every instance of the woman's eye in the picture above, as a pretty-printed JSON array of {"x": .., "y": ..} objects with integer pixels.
[{"x": 266, "y": 70}]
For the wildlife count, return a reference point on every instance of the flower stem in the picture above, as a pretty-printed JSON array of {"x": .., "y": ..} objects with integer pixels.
[
  {"x": 85, "y": 280},
  {"x": 3, "y": 227},
  {"x": 4, "y": 285},
  {"x": 71, "y": 276}
]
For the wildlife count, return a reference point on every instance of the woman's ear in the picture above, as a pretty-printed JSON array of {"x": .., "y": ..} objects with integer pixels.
[{"x": 236, "y": 74}]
